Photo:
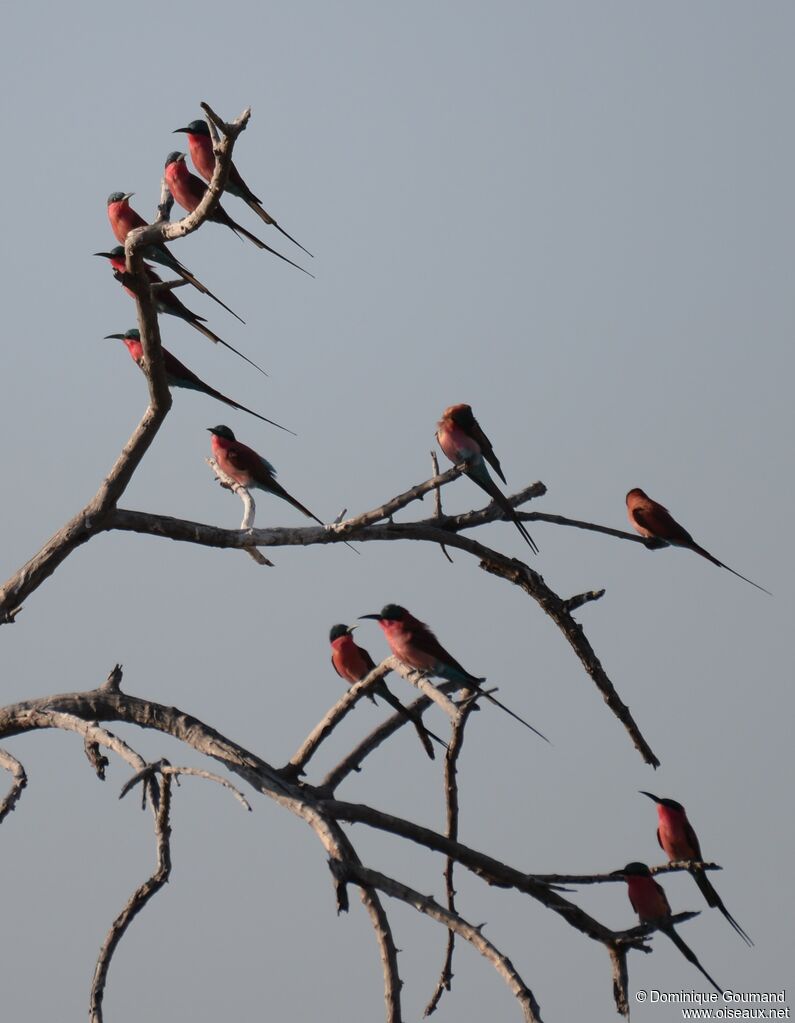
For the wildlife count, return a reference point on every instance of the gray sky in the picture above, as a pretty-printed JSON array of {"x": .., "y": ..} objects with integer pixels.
[{"x": 577, "y": 217}]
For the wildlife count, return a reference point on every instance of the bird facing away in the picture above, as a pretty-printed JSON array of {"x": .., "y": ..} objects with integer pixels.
[
  {"x": 413, "y": 643},
  {"x": 189, "y": 191},
  {"x": 166, "y": 301},
  {"x": 178, "y": 374},
  {"x": 248, "y": 468},
  {"x": 353, "y": 663},
  {"x": 462, "y": 440},
  {"x": 652, "y": 520},
  {"x": 679, "y": 841},
  {"x": 200, "y": 144},
  {"x": 650, "y": 902},
  {"x": 124, "y": 219}
]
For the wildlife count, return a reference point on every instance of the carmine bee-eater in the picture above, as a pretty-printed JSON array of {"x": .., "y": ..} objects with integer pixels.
[
  {"x": 166, "y": 301},
  {"x": 248, "y": 468},
  {"x": 353, "y": 663},
  {"x": 462, "y": 440},
  {"x": 650, "y": 519},
  {"x": 679, "y": 842},
  {"x": 413, "y": 643},
  {"x": 178, "y": 374},
  {"x": 189, "y": 191},
  {"x": 200, "y": 144},
  {"x": 651, "y": 904},
  {"x": 124, "y": 219}
]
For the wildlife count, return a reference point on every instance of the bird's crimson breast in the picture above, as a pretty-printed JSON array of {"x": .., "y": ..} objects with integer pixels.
[
  {"x": 201, "y": 152},
  {"x": 456, "y": 444},
  {"x": 648, "y": 898}
]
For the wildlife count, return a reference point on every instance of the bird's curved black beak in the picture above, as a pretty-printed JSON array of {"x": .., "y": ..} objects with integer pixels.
[
  {"x": 376, "y": 618},
  {"x": 117, "y": 337},
  {"x": 617, "y": 873},
  {"x": 185, "y": 131},
  {"x": 650, "y": 795},
  {"x": 106, "y": 255}
]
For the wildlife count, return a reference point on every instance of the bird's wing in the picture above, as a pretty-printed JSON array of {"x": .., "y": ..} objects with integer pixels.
[
  {"x": 661, "y": 523},
  {"x": 245, "y": 459},
  {"x": 692, "y": 840},
  {"x": 467, "y": 421},
  {"x": 425, "y": 639},
  {"x": 267, "y": 465}
]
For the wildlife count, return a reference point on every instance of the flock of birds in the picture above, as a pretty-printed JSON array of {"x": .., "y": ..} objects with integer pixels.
[{"x": 463, "y": 442}]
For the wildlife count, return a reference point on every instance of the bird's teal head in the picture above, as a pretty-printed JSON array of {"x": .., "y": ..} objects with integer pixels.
[
  {"x": 671, "y": 804},
  {"x": 340, "y": 630},
  {"x": 133, "y": 334},
  {"x": 194, "y": 128},
  {"x": 115, "y": 253},
  {"x": 389, "y": 613},
  {"x": 174, "y": 157},
  {"x": 634, "y": 869},
  {"x": 221, "y": 431},
  {"x": 119, "y": 197}
]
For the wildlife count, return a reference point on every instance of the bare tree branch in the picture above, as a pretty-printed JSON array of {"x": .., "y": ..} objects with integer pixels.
[
  {"x": 451, "y": 800},
  {"x": 249, "y": 508},
  {"x": 92, "y": 519},
  {"x": 474, "y": 935},
  {"x": 353, "y": 761},
  {"x": 437, "y": 500},
  {"x": 335, "y": 714},
  {"x": 664, "y": 868},
  {"x": 136, "y": 902},
  {"x": 19, "y": 781}
]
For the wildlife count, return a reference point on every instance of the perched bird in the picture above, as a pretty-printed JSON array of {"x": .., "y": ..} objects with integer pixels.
[
  {"x": 124, "y": 219},
  {"x": 200, "y": 144},
  {"x": 413, "y": 643},
  {"x": 166, "y": 301},
  {"x": 189, "y": 191},
  {"x": 679, "y": 842},
  {"x": 462, "y": 440},
  {"x": 178, "y": 374},
  {"x": 353, "y": 663},
  {"x": 248, "y": 468},
  {"x": 650, "y": 519},
  {"x": 650, "y": 902}
]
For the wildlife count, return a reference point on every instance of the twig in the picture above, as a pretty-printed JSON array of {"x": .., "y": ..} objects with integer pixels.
[
  {"x": 249, "y": 508},
  {"x": 18, "y": 783},
  {"x": 167, "y": 770},
  {"x": 136, "y": 902},
  {"x": 572, "y": 603},
  {"x": 664, "y": 868},
  {"x": 560, "y": 520},
  {"x": 451, "y": 798},
  {"x": 388, "y": 509},
  {"x": 439, "y": 515}
]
